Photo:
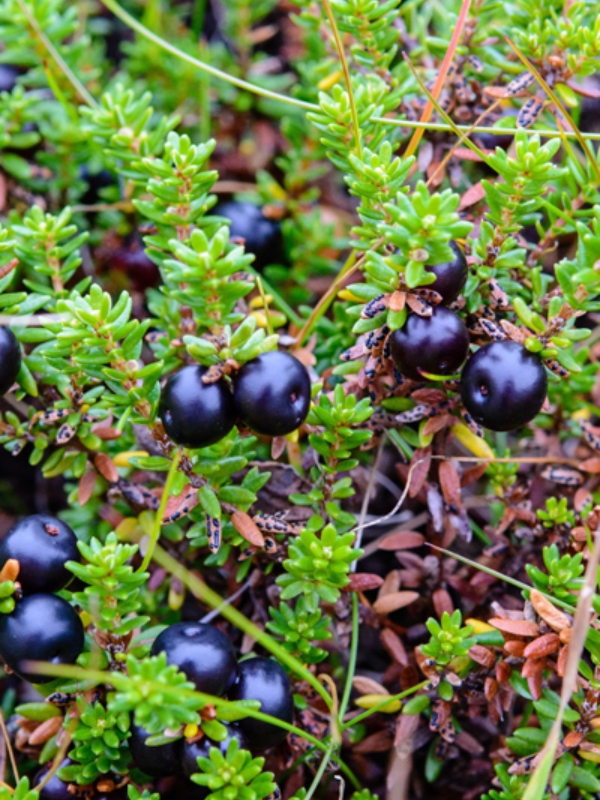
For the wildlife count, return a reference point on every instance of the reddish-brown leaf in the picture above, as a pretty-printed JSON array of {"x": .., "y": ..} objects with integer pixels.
[
  {"x": 393, "y": 645},
  {"x": 591, "y": 465},
  {"x": 278, "y": 447},
  {"x": 86, "y": 486},
  {"x": 245, "y": 526},
  {"x": 180, "y": 505},
  {"x": 515, "y": 648},
  {"x": 366, "y": 685},
  {"x": 532, "y": 667},
  {"x": 106, "y": 467},
  {"x": 442, "y": 602},
  {"x": 472, "y": 196},
  {"x": 548, "y": 612},
  {"x": 106, "y": 433},
  {"x": 394, "y": 601},
  {"x": 363, "y": 582},
  {"x": 420, "y": 471},
  {"x": 429, "y": 396},
  {"x": 450, "y": 483},
  {"x": 516, "y": 627},
  {"x": 45, "y": 730},
  {"x": 542, "y": 646},
  {"x": 402, "y": 540},
  {"x": 482, "y": 655},
  {"x": 535, "y": 685},
  {"x": 379, "y": 742},
  {"x": 438, "y": 423}
]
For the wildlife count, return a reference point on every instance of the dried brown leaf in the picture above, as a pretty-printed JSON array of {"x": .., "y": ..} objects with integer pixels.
[
  {"x": 402, "y": 540},
  {"x": 86, "y": 486},
  {"x": 366, "y": 685},
  {"x": 363, "y": 582},
  {"x": 542, "y": 646},
  {"x": 516, "y": 627},
  {"x": 106, "y": 467},
  {"x": 450, "y": 483},
  {"x": 393, "y": 645},
  {"x": 245, "y": 526},
  {"x": 548, "y": 612},
  {"x": 392, "y": 602}
]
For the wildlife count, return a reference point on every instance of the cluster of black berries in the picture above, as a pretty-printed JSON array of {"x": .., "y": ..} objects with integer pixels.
[
  {"x": 43, "y": 626},
  {"x": 502, "y": 385},
  {"x": 207, "y": 658},
  {"x": 271, "y": 396},
  {"x": 10, "y": 359}
]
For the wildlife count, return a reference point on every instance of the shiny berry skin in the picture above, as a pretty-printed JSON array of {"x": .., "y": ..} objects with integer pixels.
[
  {"x": 437, "y": 344},
  {"x": 451, "y": 276},
  {"x": 503, "y": 386},
  {"x": 159, "y": 761},
  {"x": 191, "y": 751},
  {"x": 43, "y": 627},
  {"x": 196, "y": 414},
  {"x": 262, "y": 236},
  {"x": 42, "y": 545},
  {"x": 202, "y": 652},
  {"x": 10, "y": 359},
  {"x": 272, "y": 394},
  {"x": 264, "y": 680}
]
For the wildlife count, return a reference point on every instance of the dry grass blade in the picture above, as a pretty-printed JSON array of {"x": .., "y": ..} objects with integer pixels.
[
  {"x": 537, "y": 784},
  {"x": 557, "y": 102},
  {"x": 441, "y": 78}
]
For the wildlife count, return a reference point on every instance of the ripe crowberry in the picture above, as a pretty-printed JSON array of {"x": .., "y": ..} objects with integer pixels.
[
  {"x": 451, "y": 276},
  {"x": 272, "y": 394},
  {"x": 202, "y": 652},
  {"x": 196, "y": 414},
  {"x": 42, "y": 545},
  {"x": 503, "y": 385},
  {"x": 262, "y": 236},
  {"x": 10, "y": 359},
  {"x": 264, "y": 680},
  {"x": 43, "y": 627},
  {"x": 157, "y": 761},
  {"x": 437, "y": 344}
]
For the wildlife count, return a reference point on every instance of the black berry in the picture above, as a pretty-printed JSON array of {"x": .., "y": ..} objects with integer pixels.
[
  {"x": 10, "y": 359},
  {"x": 437, "y": 344},
  {"x": 272, "y": 394},
  {"x": 503, "y": 386},
  {"x": 196, "y": 414},
  {"x": 42, "y": 545},
  {"x": 157, "y": 761},
  {"x": 191, "y": 751},
  {"x": 451, "y": 276},
  {"x": 264, "y": 680},
  {"x": 202, "y": 652},
  {"x": 262, "y": 236},
  {"x": 43, "y": 627}
]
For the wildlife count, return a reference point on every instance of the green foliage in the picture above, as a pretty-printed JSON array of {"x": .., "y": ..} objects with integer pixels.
[
  {"x": 112, "y": 597},
  {"x": 21, "y": 791},
  {"x": 158, "y": 696},
  {"x": 234, "y": 775},
  {"x": 299, "y": 627},
  {"x": 448, "y": 638},
  {"x": 556, "y": 513},
  {"x": 100, "y": 739},
  {"x": 318, "y": 566}
]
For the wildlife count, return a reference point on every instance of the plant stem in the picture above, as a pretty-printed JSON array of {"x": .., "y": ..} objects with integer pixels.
[
  {"x": 319, "y": 773},
  {"x": 391, "y": 698},
  {"x": 161, "y": 509},
  {"x": 344, "y": 64},
  {"x": 120, "y": 12}
]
